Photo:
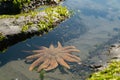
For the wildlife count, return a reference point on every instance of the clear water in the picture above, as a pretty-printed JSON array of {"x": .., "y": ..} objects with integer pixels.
[{"x": 94, "y": 23}]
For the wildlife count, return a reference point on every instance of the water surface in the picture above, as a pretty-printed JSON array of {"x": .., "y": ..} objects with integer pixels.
[{"x": 94, "y": 23}]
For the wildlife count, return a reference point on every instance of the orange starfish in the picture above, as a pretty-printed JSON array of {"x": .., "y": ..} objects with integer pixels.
[{"x": 49, "y": 58}]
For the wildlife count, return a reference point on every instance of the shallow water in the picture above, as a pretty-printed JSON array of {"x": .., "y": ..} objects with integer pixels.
[{"x": 93, "y": 25}]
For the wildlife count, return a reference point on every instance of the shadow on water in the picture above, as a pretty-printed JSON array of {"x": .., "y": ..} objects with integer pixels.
[{"x": 14, "y": 39}]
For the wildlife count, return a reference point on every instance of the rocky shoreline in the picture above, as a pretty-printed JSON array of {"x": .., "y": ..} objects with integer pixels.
[
  {"x": 36, "y": 3},
  {"x": 111, "y": 68},
  {"x": 16, "y": 28}
]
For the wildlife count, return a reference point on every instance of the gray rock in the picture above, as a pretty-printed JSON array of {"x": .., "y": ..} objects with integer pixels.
[{"x": 114, "y": 51}]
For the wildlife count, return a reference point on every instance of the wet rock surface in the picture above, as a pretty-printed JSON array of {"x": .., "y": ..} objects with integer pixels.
[{"x": 10, "y": 26}]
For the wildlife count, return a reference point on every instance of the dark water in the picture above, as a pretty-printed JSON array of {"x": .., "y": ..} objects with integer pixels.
[{"x": 94, "y": 24}]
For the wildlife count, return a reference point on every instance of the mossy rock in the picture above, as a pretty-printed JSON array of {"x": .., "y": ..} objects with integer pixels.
[
  {"x": 26, "y": 25},
  {"x": 2, "y": 37},
  {"x": 18, "y": 6},
  {"x": 112, "y": 72}
]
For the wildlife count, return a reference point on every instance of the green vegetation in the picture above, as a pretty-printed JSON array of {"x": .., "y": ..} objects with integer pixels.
[
  {"x": 53, "y": 13},
  {"x": 25, "y": 28},
  {"x": 42, "y": 74},
  {"x": 18, "y": 6},
  {"x": 14, "y": 6},
  {"x": 17, "y": 3},
  {"x": 112, "y": 72},
  {"x": 40, "y": 20},
  {"x": 42, "y": 25},
  {"x": 1, "y": 37},
  {"x": 58, "y": 12}
]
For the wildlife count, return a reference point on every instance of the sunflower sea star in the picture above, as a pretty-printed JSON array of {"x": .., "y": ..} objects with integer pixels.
[{"x": 49, "y": 58}]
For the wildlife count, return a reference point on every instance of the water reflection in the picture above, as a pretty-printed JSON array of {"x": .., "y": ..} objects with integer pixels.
[
  {"x": 90, "y": 29},
  {"x": 92, "y": 12}
]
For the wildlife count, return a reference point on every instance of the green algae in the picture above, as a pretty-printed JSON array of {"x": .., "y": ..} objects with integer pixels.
[
  {"x": 57, "y": 12},
  {"x": 1, "y": 37},
  {"x": 14, "y": 6},
  {"x": 42, "y": 74},
  {"x": 25, "y": 28},
  {"x": 17, "y": 3},
  {"x": 63, "y": 11},
  {"x": 112, "y": 72},
  {"x": 18, "y": 6},
  {"x": 47, "y": 19},
  {"x": 52, "y": 13}
]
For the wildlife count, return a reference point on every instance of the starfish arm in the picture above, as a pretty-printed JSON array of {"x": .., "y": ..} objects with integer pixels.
[
  {"x": 43, "y": 48},
  {"x": 62, "y": 62},
  {"x": 36, "y": 63},
  {"x": 59, "y": 45},
  {"x": 75, "y": 57},
  {"x": 35, "y": 51},
  {"x": 71, "y": 58},
  {"x": 53, "y": 64},
  {"x": 71, "y": 50},
  {"x": 34, "y": 56},
  {"x": 69, "y": 47},
  {"x": 38, "y": 51},
  {"x": 51, "y": 47},
  {"x": 44, "y": 65}
]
